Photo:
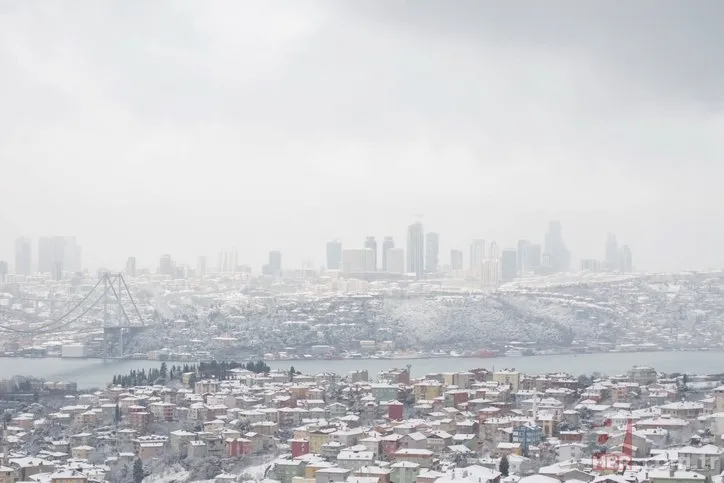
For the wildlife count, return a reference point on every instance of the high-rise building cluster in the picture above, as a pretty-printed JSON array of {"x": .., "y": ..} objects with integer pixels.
[
  {"x": 423, "y": 255},
  {"x": 57, "y": 255},
  {"x": 228, "y": 261},
  {"x": 486, "y": 263},
  {"x": 615, "y": 258}
]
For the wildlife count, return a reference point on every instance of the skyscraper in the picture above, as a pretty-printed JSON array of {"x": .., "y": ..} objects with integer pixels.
[
  {"x": 611, "y": 259},
  {"x": 201, "y": 267},
  {"x": 555, "y": 247},
  {"x": 371, "y": 244},
  {"x": 490, "y": 272},
  {"x": 334, "y": 254},
  {"x": 508, "y": 265},
  {"x": 456, "y": 259},
  {"x": 275, "y": 262},
  {"x": 58, "y": 270},
  {"x": 45, "y": 254},
  {"x": 387, "y": 244},
  {"x": 493, "y": 251},
  {"x": 3, "y": 273},
  {"x": 432, "y": 252},
  {"x": 522, "y": 251},
  {"x": 625, "y": 259},
  {"x": 234, "y": 259},
  {"x": 166, "y": 266},
  {"x": 58, "y": 253},
  {"x": 72, "y": 255},
  {"x": 531, "y": 257},
  {"x": 23, "y": 256},
  {"x": 416, "y": 249},
  {"x": 477, "y": 255},
  {"x": 131, "y": 266}
]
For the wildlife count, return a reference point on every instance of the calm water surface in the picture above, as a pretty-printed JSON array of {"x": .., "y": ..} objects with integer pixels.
[{"x": 97, "y": 373}]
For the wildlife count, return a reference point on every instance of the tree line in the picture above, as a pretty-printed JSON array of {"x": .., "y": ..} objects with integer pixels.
[{"x": 204, "y": 370}]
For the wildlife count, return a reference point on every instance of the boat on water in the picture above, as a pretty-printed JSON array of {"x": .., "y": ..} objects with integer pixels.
[
  {"x": 514, "y": 353},
  {"x": 405, "y": 355},
  {"x": 484, "y": 354}
]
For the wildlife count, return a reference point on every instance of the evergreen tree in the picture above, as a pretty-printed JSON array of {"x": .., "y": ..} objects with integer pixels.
[
  {"x": 504, "y": 465},
  {"x": 138, "y": 471},
  {"x": 291, "y": 373}
]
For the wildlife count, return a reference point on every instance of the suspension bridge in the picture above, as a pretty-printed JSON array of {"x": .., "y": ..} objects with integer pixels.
[{"x": 109, "y": 305}]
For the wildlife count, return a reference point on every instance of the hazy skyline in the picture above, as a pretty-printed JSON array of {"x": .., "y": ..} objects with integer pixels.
[{"x": 145, "y": 128}]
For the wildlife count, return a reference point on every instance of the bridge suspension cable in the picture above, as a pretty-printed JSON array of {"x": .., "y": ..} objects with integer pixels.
[{"x": 60, "y": 322}]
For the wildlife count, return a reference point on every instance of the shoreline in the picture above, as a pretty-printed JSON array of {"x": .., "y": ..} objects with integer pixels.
[
  {"x": 97, "y": 373},
  {"x": 388, "y": 358}
]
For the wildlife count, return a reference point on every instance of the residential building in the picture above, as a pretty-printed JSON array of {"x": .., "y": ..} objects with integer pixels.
[
  {"x": 508, "y": 377},
  {"x": 706, "y": 459}
]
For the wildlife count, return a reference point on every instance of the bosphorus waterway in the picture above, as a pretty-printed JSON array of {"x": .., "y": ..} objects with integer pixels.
[{"x": 97, "y": 373}]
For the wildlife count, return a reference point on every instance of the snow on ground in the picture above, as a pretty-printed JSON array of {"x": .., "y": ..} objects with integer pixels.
[
  {"x": 169, "y": 477},
  {"x": 254, "y": 473}
]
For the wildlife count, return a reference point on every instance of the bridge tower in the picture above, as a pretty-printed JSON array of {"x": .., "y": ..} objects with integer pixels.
[{"x": 118, "y": 327}]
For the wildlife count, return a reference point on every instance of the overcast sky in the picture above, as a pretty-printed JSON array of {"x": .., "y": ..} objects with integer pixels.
[{"x": 179, "y": 127}]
